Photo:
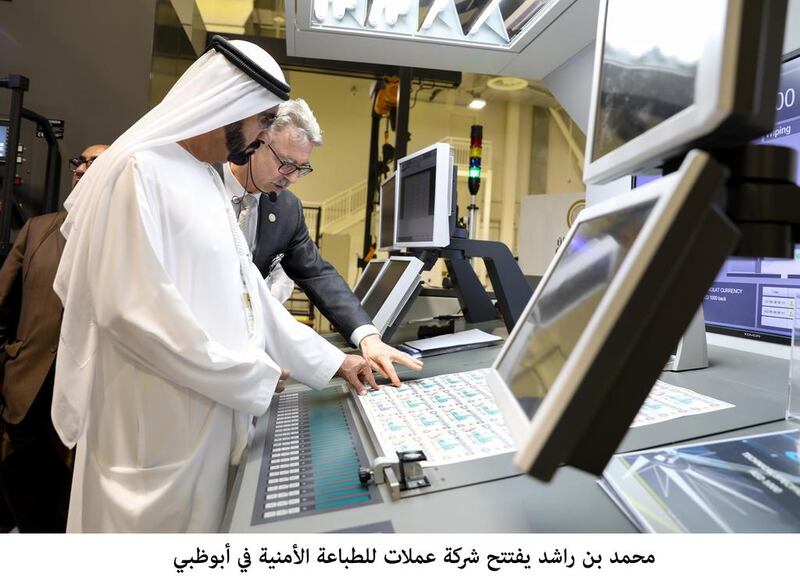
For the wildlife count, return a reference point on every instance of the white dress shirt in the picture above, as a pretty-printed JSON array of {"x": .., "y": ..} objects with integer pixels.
[
  {"x": 238, "y": 193},
  {"x": 280, "y": 285}
]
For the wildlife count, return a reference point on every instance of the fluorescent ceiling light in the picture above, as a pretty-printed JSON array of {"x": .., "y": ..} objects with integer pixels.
[{"x": 477, "y": 103}]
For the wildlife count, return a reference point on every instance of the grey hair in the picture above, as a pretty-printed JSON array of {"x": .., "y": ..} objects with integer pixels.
[{"x": 295, "y": 115}]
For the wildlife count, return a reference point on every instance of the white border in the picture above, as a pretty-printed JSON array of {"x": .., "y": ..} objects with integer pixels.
[
  {"x": 670, "y": 193},
  {"x": 714, "y": 95},
  {"x": 148, "y": 559},
  {"x": 399, "y": 295},
  {"x": 441, "y": 206}
]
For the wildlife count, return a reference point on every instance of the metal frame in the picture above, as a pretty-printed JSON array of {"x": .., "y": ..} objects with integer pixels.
[
  {"x": 18, "y": 86},
  {"x": 306, "y": 39}
]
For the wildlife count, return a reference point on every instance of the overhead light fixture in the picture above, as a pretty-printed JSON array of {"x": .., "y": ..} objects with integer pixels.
[
  {"x": 507, "y": 84},
  {"x": 477, "y": 103}
]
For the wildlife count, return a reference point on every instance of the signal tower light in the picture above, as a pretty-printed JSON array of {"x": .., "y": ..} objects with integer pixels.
[
  {"x": 475, "y": 152},
  {"x": 474, "y": 177}
]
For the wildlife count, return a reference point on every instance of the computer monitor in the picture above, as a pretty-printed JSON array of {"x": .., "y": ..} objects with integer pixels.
[
  {"x": 387, "y": 200},
  {"x": 393, "y": 287},
  {"x": 754, "y": 297},
  {"x": 3, "y": 140},
  {"x": 368, "y": 277},
  {"x": 787, "y": 115},
  {"x": 424, "y": 198},
  {"x": 670, "y": 75},
  {"x": 786, "y": 132},
  {"x": 618, "y": 295}
]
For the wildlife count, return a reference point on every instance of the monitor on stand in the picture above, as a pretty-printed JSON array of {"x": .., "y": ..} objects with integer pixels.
[
  {"x": 424, "y": 195},
  {"x": 603, "y": 320},
  {"x": 579, "y": 365},
  {"x": 393, "y": 289}
]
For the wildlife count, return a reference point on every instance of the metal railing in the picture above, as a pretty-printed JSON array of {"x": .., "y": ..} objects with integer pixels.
[
  {"x": 461, "y": 152},
  {"x": 342, "y": 207},
  {"x": 313, "y": 217}
]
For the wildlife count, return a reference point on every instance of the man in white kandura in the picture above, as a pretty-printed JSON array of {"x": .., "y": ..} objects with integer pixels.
[{"x": 170, "y": 340}]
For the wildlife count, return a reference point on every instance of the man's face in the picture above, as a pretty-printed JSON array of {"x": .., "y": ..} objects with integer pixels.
[
  {"x": 239, "y": 135},
  {"x": 86, "y": 159},
  {"x": 288, "y": 146}
]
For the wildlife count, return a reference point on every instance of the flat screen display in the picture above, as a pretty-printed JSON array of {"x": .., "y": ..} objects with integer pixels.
[
  {"x": 383, "y": 287},
  {"x": 754, "y": 297},
  {"x": 567, "y": 302},
  {"x": 416, "y": 199},
  {"x": 367, "y": 278},
  {"x": 386, "y": 240},
  {"x": 787, "y": 117},
  {"x": 3, "y": 141},
  {"x": 651, "y": 54}
]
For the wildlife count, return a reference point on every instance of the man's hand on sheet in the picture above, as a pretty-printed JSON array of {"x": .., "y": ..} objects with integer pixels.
[
  {"x": 381, "y": 357},
  {"x": 357, "y": 372}
]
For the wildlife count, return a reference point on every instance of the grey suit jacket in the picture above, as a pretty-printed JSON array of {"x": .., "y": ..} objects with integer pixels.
[{"x": 286, "y": 240}]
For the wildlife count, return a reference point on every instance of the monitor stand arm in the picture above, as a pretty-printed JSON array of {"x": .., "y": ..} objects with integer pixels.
[
  {"x": 510, "y": 287},
  {"x": 472, "y": 297},
  {"x": 692, "y": 350},
  {"x": 508, "y": 282}
]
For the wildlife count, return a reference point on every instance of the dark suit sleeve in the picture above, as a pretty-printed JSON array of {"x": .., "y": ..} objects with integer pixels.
[
  {"x": 11, "y": 292},
  {"x": 323, "y": 285}
]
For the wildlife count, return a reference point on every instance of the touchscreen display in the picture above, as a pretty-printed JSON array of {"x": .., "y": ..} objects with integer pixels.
[
  {"x": 651, "y": 53},
  {"x": 367, "y": 278},
  {"x": 567, "y": 302},
  {"x": 383, "y": 287}
]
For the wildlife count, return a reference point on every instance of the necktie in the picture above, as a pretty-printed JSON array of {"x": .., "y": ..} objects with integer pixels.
[{"x": 248, "y": 209}]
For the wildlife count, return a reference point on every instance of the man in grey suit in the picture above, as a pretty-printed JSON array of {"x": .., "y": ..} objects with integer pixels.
[{"x": 271, "y": 218}]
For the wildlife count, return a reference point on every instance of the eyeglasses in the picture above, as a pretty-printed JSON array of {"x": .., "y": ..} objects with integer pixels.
[
  {"x": 76, "y": 162},
  {"x": 287, "y": 168}
]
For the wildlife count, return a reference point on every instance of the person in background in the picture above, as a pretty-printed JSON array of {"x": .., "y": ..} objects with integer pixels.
[{"x": 35, "y": 466}]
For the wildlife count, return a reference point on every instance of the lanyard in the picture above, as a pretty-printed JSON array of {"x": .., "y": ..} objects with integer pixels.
[{"x": 243, "y": 252}]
